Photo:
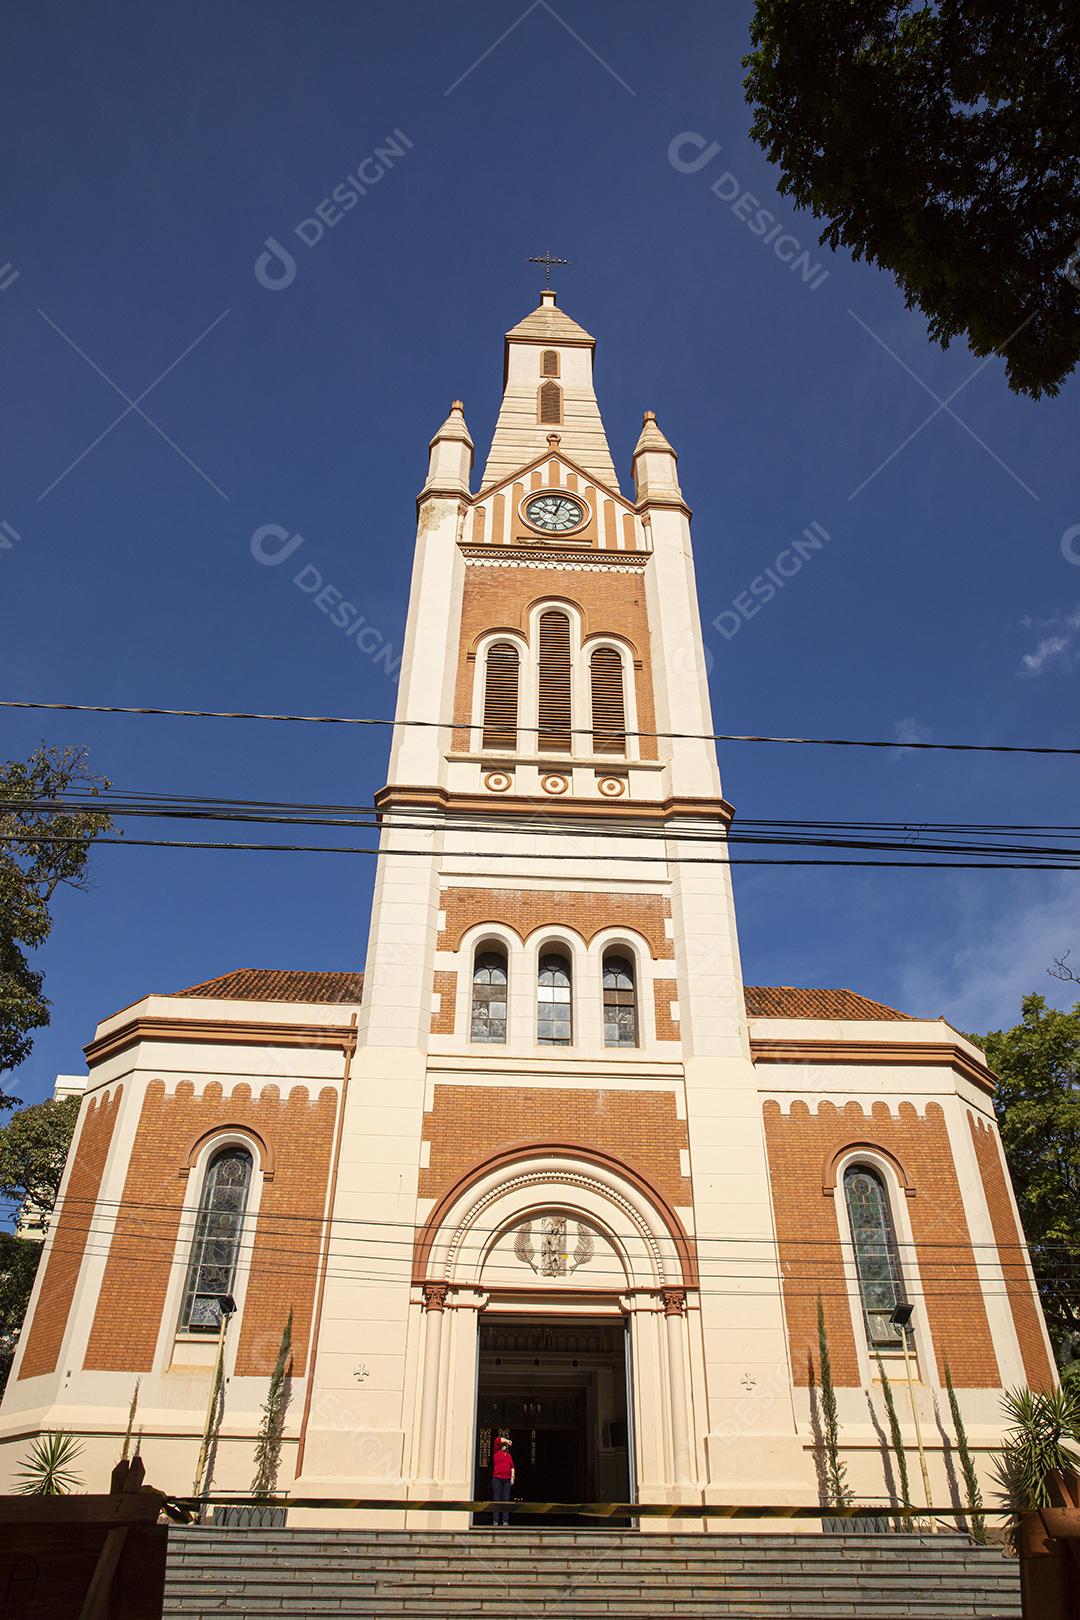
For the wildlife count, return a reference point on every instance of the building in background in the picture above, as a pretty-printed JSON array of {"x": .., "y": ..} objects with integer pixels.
[{"x": 548, "y": 1165}]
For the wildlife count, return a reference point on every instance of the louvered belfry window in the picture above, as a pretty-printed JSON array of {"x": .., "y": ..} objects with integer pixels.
[
  {"x": 549, "y": 363},
  {"x": 608, "y": 702},
  {"x": 550, "y": 403},
  {"x": 501, "y": 695},
  {"x": 554, "y": 706}
]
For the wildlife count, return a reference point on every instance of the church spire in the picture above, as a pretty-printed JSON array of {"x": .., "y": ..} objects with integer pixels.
[{"x": 548, "y": 385}]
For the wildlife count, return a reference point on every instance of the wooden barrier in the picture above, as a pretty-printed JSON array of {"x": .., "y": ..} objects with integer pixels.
[
  {"x": 85, "y": 1557},
  {"x": 1048, "y": 1544}
]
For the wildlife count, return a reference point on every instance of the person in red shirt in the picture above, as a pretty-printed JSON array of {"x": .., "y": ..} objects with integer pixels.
[{"x": 502, "y": 1475}]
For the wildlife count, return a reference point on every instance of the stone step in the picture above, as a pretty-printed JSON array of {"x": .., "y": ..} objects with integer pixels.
[{"x": 573, "y": 1575}]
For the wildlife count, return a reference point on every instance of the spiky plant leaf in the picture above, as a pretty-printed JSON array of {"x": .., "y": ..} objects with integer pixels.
[{"x": 46, "y": 1469}]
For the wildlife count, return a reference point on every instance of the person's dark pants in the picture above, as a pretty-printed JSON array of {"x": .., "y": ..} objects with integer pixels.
[{"x": 500, "y": 1492}]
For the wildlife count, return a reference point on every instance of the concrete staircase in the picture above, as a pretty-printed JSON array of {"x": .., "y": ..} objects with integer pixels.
[{"x": 577, "y": 1574}]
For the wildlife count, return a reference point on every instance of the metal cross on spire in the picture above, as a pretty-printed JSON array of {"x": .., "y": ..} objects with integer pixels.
[{"x": 547, "y": 260}]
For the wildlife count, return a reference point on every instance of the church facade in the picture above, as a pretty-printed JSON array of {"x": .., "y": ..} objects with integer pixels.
[{"x": 548, "y": 1166}]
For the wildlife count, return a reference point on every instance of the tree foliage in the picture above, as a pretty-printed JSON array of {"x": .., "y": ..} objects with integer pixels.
[
  {"x": 839, "y": 1492},
  {"x": 47, "y": 797},
  {"x": 938, "y": 140},
  {"x": 19, "y": 1258},
  {"x": 33, "y": 1149},
  {"x": 272, "y": 1428},
  {"x": 1038, "y": 1108}
]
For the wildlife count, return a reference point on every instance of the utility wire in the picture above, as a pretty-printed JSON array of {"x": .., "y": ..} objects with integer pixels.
[
  {"x": 174, "y": 1210},
  {"x": 577, "y": 731},
  {"x": 510, "y": 855}
]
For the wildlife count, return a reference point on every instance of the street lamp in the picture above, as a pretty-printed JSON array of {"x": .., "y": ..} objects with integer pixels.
[
  {"x": 226, "y": 1308},
  {"x": 901, "y": 1318}
]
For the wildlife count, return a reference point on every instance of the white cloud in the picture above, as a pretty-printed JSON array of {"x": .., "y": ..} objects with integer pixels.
[
  {"x": 1057, "y": 646},
  {"x": 907, "y": 730},
  {"x": 998, "y": 949}
]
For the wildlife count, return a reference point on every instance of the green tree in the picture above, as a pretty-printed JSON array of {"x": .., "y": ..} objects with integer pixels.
[
  {"x": 33, "y": 1149},
  {"x": 937, "y": 139},
  {"x": 897, "y": 1437},
  {"x": 1038, "y": 1109},
  {"x": 19, "y": 1259},
  {"x": 272, "y": 1428},
  {"x": 836, "y": 1485},
  {"x": 47, "y": 823}
]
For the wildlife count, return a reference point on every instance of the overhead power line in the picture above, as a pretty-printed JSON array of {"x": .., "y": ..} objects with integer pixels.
[
  {"x": 510, "y": 855},
  {"x": 468, "y": 724}
]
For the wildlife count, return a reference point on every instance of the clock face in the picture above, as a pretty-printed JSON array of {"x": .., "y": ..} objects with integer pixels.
[{"x": 557, "y": 514}]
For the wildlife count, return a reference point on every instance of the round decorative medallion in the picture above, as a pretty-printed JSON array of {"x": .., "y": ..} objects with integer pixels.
[
  {"x": 554, "y": 784},
  {"x": 612, "y": 787},
  {"x": 498, "y": 781}
]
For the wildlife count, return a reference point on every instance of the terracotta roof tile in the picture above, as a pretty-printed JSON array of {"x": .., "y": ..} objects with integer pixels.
[
  {"x": 295, "y": 984},
  {"x": 280, "y": 984},
  {"x": 798, "y": 1001}
]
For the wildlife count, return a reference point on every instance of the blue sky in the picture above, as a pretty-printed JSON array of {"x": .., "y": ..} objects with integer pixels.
[{"x": 152, "y": 153}]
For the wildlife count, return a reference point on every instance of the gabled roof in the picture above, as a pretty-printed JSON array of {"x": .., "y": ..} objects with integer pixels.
[
  {"x": 541, "y": 459},
  {"x": 549, "y": 324},
  {"x": 280, "y": 984},
  {"x": 798, "y": 1001},
  {"x": 336, "y": 988}
]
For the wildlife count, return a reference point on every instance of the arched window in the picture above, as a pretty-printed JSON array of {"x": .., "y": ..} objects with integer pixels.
[
  {"x": 550, "y": 404},
  {"x": 489, "y": 983},
  {"x": 554, "y": 1002},
  {"x": 554, "y": 711},
  {"x": 608, "y": 702},
  {"x": 549, "y": 363},
  {"x": 877, "y": 1261},
  {"x": 218, "y": 1228},
  {"x": 501, "y": 695},
  {"x": 620, "y": 1002}
]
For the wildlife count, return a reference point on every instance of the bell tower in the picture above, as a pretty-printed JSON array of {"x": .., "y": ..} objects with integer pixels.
[{"x": 553, "y": 998}]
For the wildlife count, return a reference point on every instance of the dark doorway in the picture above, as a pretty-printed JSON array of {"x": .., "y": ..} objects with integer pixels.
[{"x": 558, "y": 1388}]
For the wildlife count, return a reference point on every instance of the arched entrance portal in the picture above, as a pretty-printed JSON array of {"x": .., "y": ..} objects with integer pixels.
[{"x": 555, "y": 1291}]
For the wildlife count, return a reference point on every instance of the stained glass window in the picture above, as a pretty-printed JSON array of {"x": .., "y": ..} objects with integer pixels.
[
  {"x": 554, "y": 1007},
  {"x": 489, "y": 996},
  {"x": 877, "y": 1262},
  {"x": 218, "y": 1229},
  {"x": 620, "y": 1002}
]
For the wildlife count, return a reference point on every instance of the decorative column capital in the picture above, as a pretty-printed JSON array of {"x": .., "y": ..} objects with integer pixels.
[
  {"x": 674, "y": 1301},
  {"x": 435, "y": 1296}
]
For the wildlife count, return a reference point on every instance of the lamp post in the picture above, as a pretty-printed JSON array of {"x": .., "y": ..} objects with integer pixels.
[
  {"x": 901, "y": 1318},
  {"x": 227, "y": 1306}
]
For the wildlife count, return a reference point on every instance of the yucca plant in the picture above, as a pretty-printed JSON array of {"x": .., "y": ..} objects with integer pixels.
[
  {"x": 839, "y": 1492},
  {"x": 268, "y": 1445},
  {"x": 967, "y": 1463},
  {"x": 897, "y": 1438},
  {"x": 46, "y": 1469},
  {"x": 1038, "y": 1444}
]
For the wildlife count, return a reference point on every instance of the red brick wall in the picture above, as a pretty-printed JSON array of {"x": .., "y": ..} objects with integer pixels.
[
  {"x": 467, "y": 1124},
  {"x": 801, "y": 1146},
  {"x": 611, "y": 604},
  {"x": 665, "y": 992},
  {"x": 526, "y": 909},
  {"x": 299, "y": 1130},
  {"x": 45, "y": 1336},
  {"x": 445, "y": 987},
  {"x": 1026, "y": 1314}
]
